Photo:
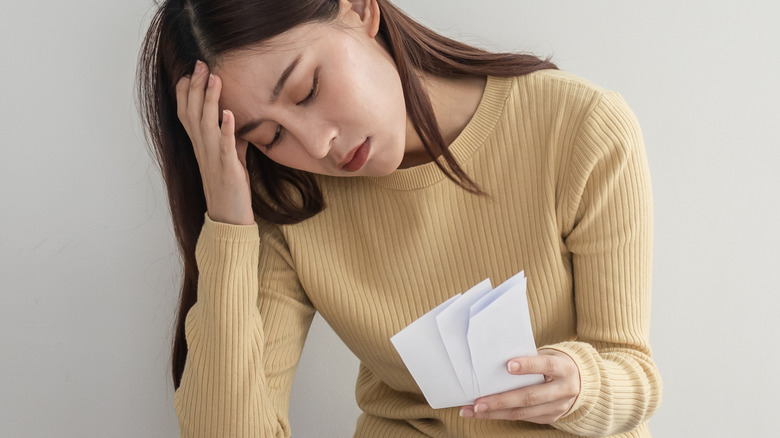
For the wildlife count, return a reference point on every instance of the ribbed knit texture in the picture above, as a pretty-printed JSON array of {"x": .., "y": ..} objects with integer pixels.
[{"x": 568, "y": 201}]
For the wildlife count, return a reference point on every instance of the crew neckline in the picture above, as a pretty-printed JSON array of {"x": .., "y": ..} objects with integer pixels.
[{"x": 472, "y": 137}]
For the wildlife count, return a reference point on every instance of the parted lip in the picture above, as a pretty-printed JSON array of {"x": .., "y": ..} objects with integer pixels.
[{"x": 351, "y": 155}]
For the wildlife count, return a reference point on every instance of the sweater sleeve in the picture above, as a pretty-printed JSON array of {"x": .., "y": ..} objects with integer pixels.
[
  {"x": 244, "y": 335},
  {"x": 608, "y": 230}
]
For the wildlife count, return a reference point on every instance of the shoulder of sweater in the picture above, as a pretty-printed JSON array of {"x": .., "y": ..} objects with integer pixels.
[
  {"x": 575, "y": 90},
  {"x": 568, "y": 88},
  {"x": 559, "y": 78},
  {"x": 553, "y": 94}
]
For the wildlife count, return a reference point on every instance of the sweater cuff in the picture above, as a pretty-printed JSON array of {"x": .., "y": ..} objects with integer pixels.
[
  {"x": 584, "y": 356},
  {"x": 227, "y": 257},
  {"x": 223, "y": 231}
]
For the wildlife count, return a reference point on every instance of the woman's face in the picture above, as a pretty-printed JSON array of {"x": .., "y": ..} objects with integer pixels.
[{"x": 320, "y": 97}]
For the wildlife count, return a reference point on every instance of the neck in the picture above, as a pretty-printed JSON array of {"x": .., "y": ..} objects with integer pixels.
[{"x": 454, "y": 102}]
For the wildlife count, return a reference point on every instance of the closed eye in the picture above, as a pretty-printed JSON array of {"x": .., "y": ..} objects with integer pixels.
[
  {"x": 314, "y": 89},
  {"x": 278, "y": 135},
  {"x": 277, "y": 138}
]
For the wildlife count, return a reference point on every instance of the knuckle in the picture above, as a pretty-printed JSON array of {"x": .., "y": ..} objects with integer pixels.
[
  {"x": 193, "y": 114},
  {"x": 499, "y": 404},
  {"x": 531, "y": 399},
  {"x": 517, "y": 414},
  {"x": 182, "y": 84},
  {"x": 227, "y": 148},
  {"x": 211, "y": 94},
  {"x": 196, "y": 81},
  {"x": 551, "y": 364}
]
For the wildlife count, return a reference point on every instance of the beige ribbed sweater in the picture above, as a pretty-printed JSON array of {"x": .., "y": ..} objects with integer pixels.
[{"x": 569, "y": 202}]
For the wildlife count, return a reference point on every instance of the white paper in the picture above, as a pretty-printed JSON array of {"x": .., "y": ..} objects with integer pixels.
[
  {"x": 453, "y": 324},
  {"x": 499, "y": 330},
  {"x": 424, "y": 354},
  {"x": 458, "y": 351}
]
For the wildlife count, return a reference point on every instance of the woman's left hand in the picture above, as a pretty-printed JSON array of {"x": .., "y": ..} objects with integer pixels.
[{"x": 544, "y": 403}]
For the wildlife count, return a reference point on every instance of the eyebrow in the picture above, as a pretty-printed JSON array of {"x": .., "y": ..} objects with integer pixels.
[{"x": 252, "y": 124}]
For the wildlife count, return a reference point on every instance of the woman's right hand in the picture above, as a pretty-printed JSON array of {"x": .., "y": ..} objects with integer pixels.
[{"x": 221, "y": 160}]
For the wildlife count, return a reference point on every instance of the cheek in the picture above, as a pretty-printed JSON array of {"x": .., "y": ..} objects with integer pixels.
[
  {"x": 389, "y": 106},
  {"x": 293, "y": 157},
  {"x": 370, "y": 84},
  {"x": 387, "y": 87},
  {"x": 379, "y": 103}
]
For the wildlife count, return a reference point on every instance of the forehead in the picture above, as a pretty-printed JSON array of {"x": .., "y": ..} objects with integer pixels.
[{"x": 250, "y": 74}]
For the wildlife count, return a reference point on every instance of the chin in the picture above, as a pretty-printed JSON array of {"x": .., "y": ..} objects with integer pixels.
[{"x": 384, "y": 167}]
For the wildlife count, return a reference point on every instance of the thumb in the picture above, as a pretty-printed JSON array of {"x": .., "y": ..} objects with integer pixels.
[{"x": 241, "y": 147}]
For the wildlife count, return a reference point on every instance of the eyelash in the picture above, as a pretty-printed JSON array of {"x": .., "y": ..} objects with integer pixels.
[{"x": 309, "y": 99}]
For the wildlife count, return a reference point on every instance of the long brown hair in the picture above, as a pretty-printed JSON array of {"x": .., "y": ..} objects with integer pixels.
[{"x": 184, "y": 31}]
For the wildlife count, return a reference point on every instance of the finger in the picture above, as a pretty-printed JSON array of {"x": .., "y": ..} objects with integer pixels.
[
  {"x": 210, "y": 117},
  {"x": 196, "y": 96},
  {"x": 545, "y": 413},
  {"x": 524, "y": 397},
  {"x": 546, "y": 364},
  {"x": 241, "y": 148},
  {"x": 227, "y": 141},
  {"x": 182, "y": 101},
  {"x": 182, "y": 95}
]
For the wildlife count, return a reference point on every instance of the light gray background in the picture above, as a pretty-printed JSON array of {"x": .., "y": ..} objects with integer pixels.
[{"x": 88, "y": 266}]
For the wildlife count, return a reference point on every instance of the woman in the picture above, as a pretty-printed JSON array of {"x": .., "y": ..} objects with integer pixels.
[{"x": 335, "y": 156}]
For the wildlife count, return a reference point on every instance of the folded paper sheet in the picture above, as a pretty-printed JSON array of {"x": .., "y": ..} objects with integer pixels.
[{"x": 458, "y": 351}]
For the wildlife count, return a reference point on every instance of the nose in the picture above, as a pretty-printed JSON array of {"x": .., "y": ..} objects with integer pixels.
[{"x": 317, "y": 136}]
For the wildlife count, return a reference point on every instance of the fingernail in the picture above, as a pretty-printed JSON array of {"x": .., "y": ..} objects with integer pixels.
[
  {"x": 481, "y": 407},
  {"x": 211, "y": 80},
  {"x": 199, "y": 65},
  {"x": 460, "y": 413},
  {"x": 513, "y": 366}
]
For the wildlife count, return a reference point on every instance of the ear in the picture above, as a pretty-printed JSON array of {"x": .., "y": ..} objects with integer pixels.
[{"x": 361, "y": 13}]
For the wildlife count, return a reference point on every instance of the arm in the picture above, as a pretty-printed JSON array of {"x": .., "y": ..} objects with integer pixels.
[
  {"x": 244, "y": 335},
  {"x": 610, "y": 239},
  {"x": 246, "y": 330},
  {"x": 604, "y": 382}
]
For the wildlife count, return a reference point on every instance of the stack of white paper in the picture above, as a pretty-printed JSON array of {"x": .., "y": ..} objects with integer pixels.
[{"x": 458, "y": 351}]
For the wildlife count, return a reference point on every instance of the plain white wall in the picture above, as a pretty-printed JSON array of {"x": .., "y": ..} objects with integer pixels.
[{"x": 88, "y": 265}]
